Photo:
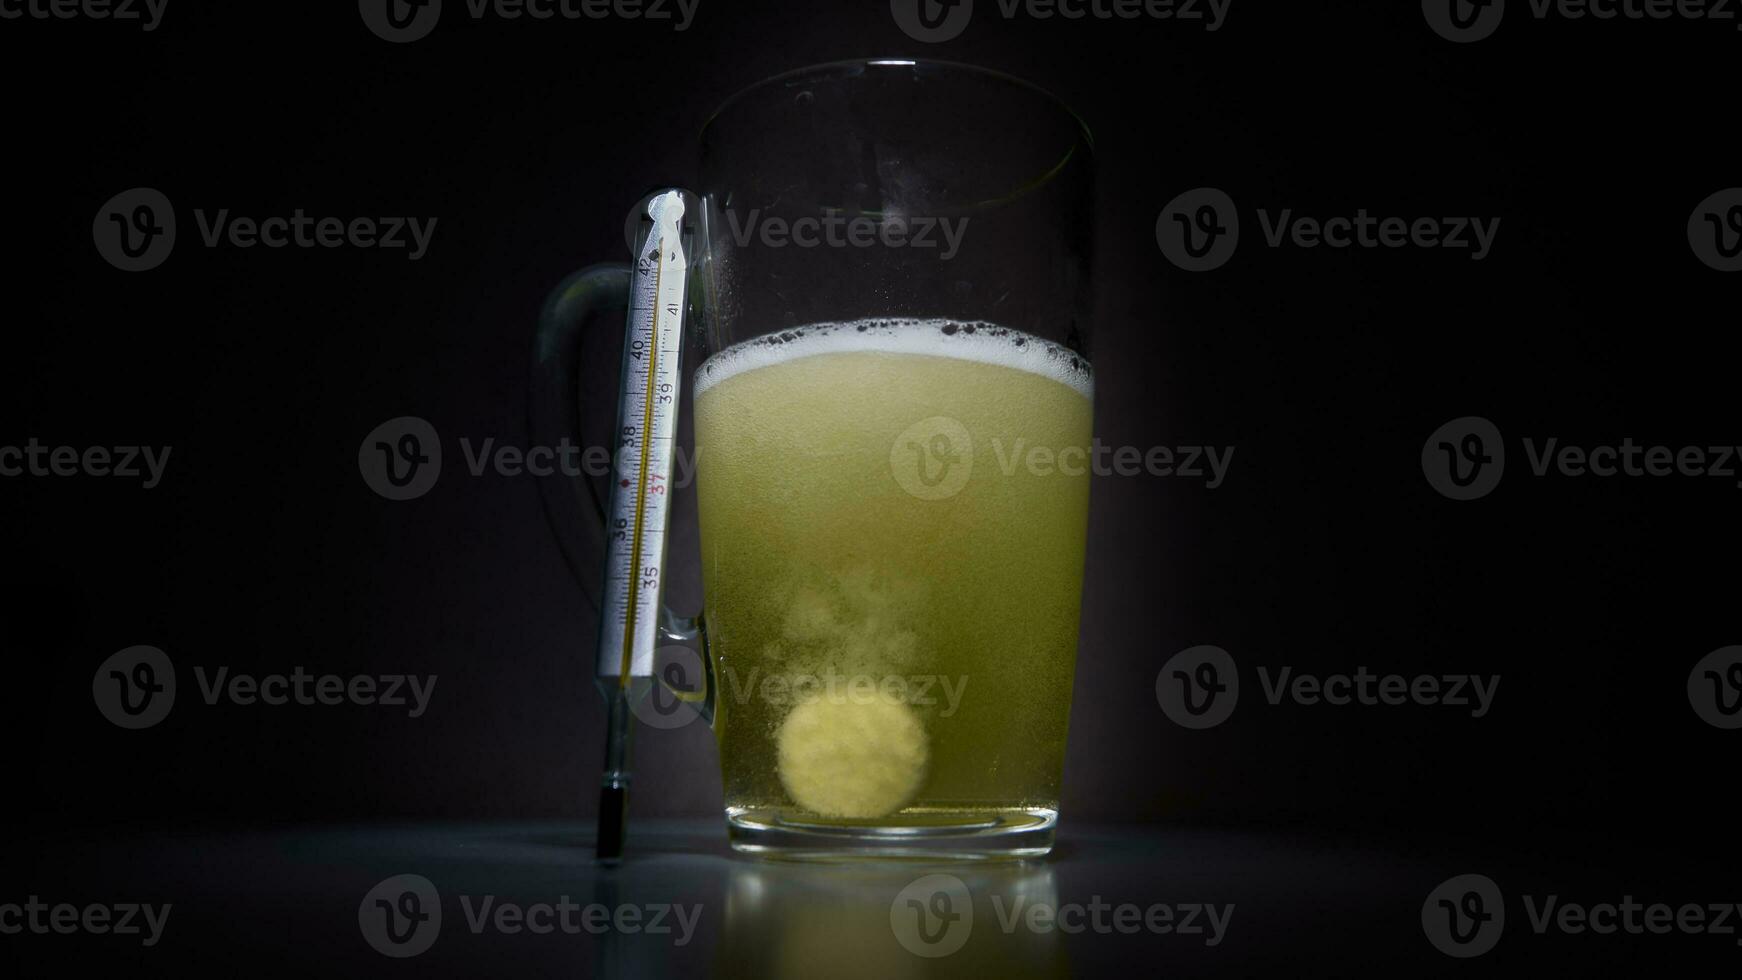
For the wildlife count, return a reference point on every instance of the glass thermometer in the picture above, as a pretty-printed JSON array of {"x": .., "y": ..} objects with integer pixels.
[{"x": 640, "y": 504}]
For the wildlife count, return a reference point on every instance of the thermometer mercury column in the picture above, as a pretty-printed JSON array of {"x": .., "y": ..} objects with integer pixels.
[{"x": 635, "y": 530}]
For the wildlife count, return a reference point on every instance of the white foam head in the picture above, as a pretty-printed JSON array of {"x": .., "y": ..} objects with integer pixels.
[{"x": 986, "y": 343}]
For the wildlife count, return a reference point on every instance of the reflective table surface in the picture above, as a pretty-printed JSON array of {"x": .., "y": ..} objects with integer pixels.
[{"x": 526, "y": 898}]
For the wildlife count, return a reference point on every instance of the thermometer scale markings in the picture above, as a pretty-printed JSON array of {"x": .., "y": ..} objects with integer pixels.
[
  {"x": 641, "y": 497},
  {"x": 639, "y": 503}
]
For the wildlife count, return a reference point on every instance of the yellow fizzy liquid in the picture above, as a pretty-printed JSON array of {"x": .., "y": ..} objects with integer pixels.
[{"x": 893, "y": 515}]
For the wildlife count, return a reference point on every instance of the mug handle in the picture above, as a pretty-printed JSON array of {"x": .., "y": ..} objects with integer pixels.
[{"x": 573, "y": 506}]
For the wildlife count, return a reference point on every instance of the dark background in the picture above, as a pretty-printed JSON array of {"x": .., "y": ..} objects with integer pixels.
[{"x": 1326, "y": 549}]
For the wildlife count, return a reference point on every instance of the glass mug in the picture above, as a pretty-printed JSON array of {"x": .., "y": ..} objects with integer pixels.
[{"x": 888, "y": 309}]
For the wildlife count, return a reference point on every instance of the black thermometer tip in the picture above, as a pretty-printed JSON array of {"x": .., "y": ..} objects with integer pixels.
[{"x": 613, "y": 804}]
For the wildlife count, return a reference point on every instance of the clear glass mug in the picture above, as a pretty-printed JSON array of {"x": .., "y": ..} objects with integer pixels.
[{"x": 888, "y": 310}]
